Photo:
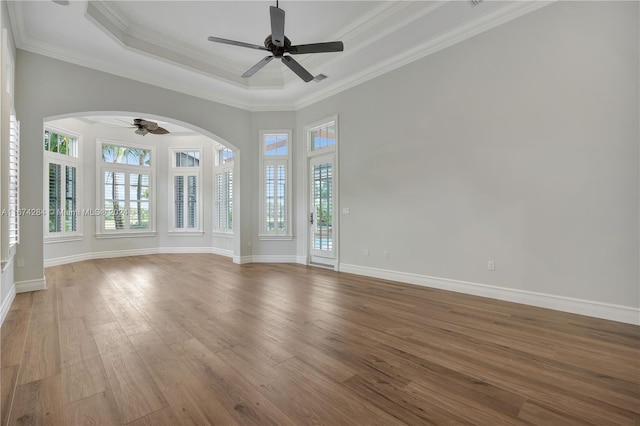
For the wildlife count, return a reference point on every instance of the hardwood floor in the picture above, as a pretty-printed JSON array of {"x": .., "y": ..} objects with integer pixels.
[{"x": 195, "y": 339}]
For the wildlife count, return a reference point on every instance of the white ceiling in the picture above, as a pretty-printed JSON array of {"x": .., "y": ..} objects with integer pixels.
[{"x": 164, "y": 43}]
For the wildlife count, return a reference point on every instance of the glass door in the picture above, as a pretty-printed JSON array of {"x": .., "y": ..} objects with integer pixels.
[{"x": 321, "y": 212}]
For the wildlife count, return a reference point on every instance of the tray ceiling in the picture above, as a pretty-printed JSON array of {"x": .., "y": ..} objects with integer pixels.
[{"x": 164, "y": 43}]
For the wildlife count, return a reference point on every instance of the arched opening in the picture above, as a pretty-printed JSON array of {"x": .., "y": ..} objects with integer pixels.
[{"x": 113, "y": 188}]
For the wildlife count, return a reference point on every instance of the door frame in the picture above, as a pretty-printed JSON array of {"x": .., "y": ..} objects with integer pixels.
[{"x": 309, "y": 155}]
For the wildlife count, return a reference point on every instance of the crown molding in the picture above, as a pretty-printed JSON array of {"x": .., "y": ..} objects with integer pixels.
[{"x": 365, "y": 29}]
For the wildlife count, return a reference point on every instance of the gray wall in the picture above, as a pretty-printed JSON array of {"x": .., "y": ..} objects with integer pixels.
[
  {"x": 519, "y": 146},
  {"x": 48, "y": 88}
]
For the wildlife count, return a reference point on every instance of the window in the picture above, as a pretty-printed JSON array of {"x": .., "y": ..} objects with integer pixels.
[
  {"x": 275, "y": 184},
  {"x": 126, "y": 179},
  {"x": 323, "y": 136},
  {"x": 223, "y": 182},
  {"x": 62, "y": 179},
  {"x": 186, "y": 191}
]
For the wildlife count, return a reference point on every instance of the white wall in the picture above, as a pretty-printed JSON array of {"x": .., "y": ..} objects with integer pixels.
[{"x": 519, "y": 146}]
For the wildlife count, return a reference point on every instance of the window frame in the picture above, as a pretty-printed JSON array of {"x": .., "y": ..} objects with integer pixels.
[
  {"x": 185, "y": 171},
  {"x": 276, "y": 161},
  {"x": 101, "y": 232},
  {"x": 218, "y": 169},
  {"x": 63, "y": 160}
]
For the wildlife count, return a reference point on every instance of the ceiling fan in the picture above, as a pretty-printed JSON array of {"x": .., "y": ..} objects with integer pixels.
[
  {"x": 145, "y": 126},
  {"x": 278, "y": 44}
]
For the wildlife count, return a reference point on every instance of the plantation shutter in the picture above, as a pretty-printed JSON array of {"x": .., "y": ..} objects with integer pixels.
[{"x": 14, "y": 163}]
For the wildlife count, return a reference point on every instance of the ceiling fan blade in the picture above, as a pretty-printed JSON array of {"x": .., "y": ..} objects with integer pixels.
[
  {"x": 297, "y": 68},
  {"x": 277, "y": 26},
  {"x": 331, "y": 46},
  {"x": 159, "y": 131},
  {"x": 150, "y": 125},
  {"x": 257, "y": 67},
  {"x": 237, "y": 43}
]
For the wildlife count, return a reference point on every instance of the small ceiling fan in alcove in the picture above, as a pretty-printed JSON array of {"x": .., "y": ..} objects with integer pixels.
[
  {"x": 279, "y": 45},
  {"x": 144, "y": 127}
]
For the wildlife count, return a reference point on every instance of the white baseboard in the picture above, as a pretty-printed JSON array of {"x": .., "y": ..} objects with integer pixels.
[
  {"x": 31, "y": 285},
  {"x": 134, "y": 252},
  {"x": 6, "y": 304},
  {"x": 273, "y": 258},
  {"x": 626, "y": 314},
  {"x": 265, "y": 258},
  {"x": 302, "y": 260},
  {"x": 241, "y": 260}
]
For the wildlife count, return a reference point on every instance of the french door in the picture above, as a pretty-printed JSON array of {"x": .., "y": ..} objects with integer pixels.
[{"x": 322, "y": 237}]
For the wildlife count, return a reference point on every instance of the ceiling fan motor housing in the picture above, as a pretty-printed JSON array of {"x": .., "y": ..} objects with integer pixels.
[{"x": 277, "y": 51}]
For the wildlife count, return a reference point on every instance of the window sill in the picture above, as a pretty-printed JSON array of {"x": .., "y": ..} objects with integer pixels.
[
  {"x": 126, "y": 235},
  {"x": 186, "y": 233},
  {"x": 223, "y": 234},
  {"x": 276, "y": 237},
  {"x": 69, "y": 239}
]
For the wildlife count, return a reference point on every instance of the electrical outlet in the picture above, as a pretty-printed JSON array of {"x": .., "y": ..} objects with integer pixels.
[
  {"x": 366, "y": 252},
  {"x": 346, "y": 210},
  {"x": 491, "y": 265},
  {"x": 20, "y": 263},
  {"x": 386, "y": 255}
]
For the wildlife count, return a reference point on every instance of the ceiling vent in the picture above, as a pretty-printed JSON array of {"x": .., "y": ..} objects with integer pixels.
[{"x": 318, "y": 78}]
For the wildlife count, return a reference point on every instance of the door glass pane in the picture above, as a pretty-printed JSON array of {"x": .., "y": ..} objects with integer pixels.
[{"x": 322, "y": 235}]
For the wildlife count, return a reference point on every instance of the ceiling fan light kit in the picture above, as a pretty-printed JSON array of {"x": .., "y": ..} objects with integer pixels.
[{"x": 280, "y": 47}]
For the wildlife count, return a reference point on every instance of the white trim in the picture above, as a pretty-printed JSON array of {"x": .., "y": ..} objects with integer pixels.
[
  {"x": 135, "y": 252},
  {"x": 31, "y": 285},
  {"x": 129, "y": 234},
  {"x": 6, "y": 304},
  {"x": 268, "y": 258},
  {"x": 241, "y": 260},
  {"x": 302, "y": 260},
  {"x": 185, "y": 172},
  {"x": 333, "y": 152},
  {"x": 276, "y": 161},
  {"x": 626, "y": 314},
  {"x": 273, "y": 258},
  {"x": 128, "y": 169}
]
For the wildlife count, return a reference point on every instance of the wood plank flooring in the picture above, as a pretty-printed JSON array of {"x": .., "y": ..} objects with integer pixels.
[{"x": 197, "y": 340}]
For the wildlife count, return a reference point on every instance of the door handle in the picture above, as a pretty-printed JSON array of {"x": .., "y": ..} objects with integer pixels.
[{"x": 311, "y": 218}]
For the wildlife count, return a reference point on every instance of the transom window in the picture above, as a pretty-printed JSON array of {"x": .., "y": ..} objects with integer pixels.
[
  {"x": 323, "y": 136},
  {"x": 59, "y": 143},
  {"x": 276, "y": 145}
]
